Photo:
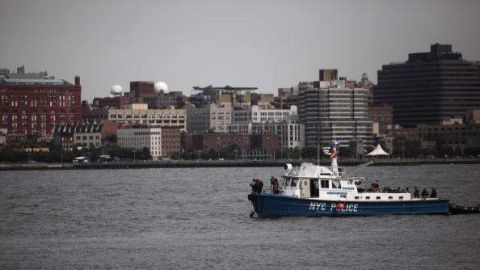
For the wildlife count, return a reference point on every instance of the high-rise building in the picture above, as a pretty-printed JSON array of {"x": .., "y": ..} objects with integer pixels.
[
  {"x": 330, "y": 111},
  {"x": 429, "y": 87},
  {"x": 367, "y": 84},
  {"x": 33, "y": 103}
]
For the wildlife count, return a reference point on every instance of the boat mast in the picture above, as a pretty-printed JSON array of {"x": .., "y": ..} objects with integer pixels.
[{"x": 333, "y": 158}]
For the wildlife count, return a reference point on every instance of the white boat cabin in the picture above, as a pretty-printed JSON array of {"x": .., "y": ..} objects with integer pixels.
[{"x": 313, "y": 182}]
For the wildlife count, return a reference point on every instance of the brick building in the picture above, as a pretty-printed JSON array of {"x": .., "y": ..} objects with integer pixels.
[
  {"x": 117, "y": 102},
  {"x": 170, "y": 141},
  {"x": 33, "y": 103}
]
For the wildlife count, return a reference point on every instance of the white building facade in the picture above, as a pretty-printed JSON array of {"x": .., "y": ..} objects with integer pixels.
[
  {"x": 88, "y": 136},
  {"x": 255, "y": 114},
  {"x": 280, "y": 122},
  {"x": 139, "y": 138}
]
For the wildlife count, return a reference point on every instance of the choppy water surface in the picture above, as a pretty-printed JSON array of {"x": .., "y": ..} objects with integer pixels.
[{"x": 198, "y": 218}]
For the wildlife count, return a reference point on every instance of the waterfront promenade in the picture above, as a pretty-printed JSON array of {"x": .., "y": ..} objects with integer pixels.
[{"x": 226, "y": 163}]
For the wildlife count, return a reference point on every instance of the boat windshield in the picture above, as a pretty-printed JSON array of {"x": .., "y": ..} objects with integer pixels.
[
  {"x": 294, "y": 182},
  {"x": 335, "y": 184}
]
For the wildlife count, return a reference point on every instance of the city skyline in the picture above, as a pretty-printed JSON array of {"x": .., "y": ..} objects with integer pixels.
[{"x": 269, "y": 45}]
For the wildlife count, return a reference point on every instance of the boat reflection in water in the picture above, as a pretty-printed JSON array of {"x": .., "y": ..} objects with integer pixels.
[{"x": 313, "y": 190}]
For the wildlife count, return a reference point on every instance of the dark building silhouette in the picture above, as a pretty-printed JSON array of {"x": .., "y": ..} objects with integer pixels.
[
  {"x": 429, "y": 87},
  {"x": 117, "y": 102},
  {"x": 142, "y": 88},
  {"x": 327, "y": 74},
  {"x": 144, "y": 92}
]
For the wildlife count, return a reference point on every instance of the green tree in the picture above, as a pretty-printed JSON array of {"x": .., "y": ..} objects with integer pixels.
[
  {"x": 212, "y": 154},
  {"x": 175, "y": 156}
]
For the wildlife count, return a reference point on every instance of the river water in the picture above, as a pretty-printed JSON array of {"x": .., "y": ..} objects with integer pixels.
[{"x": 198, "y": 218}]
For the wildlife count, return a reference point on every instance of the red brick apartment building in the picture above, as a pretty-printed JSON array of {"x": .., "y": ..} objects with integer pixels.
[{"x": 33, "y": 103}]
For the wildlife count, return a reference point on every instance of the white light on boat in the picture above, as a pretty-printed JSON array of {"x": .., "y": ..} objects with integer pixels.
[{"x": 288, "y": 166}]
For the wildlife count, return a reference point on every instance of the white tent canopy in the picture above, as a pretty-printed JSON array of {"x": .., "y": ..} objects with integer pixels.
[{"x": 378, "y": 151}]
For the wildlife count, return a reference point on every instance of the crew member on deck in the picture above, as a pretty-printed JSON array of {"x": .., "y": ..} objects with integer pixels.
[
  {"x": 416, "y": 193},
  {"x": 433, "y": 194},
  {"x": 375, "y": 186},
  {"x": 274, "y": 185},
  {"x": 257, "y": 185},
  {"x": 424, "y": 193}
]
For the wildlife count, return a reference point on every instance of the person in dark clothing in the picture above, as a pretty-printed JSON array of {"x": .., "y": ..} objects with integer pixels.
[
  {"x": 375, "y": 186},
  {"x": 257, "y": 185},
  {"x": 433, "y": 194},
  {"x": 424, "y": 193},
  {"x": 416, "y": 193},
  {"x": 274, "y": 185}
]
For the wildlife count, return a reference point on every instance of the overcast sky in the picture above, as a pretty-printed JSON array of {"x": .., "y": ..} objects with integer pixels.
[{"x": 267, "y": 44}]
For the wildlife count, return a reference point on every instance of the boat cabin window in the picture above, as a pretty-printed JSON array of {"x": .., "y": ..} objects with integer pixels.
[
  {"x": 400, "y": 198},
  {"x": 294, "y": 182},
  {"x": 324, "y": 183},
  {"x": 378, "y": 197},
  {"x": 357, "y": 197},
  {"x": 335, "y": 184},
  {"x": 390, "y": 197},
  {"x": 367, "y": 198},
  {"x": 314, "y": 188}
]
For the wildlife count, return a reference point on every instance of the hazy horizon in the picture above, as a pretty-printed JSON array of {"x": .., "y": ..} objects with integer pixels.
[{"x": 267, "y": 44}]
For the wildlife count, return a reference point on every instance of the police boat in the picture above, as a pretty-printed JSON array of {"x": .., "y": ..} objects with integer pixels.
[{"x": 313, "y": 190}]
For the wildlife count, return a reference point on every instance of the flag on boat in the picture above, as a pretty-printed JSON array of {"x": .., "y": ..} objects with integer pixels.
[{"x": 333, "y": 153}]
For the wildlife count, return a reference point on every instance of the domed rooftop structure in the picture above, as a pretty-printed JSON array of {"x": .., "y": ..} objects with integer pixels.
[
  {"x": 116, "y": 90},
  {"x": 161, "y": 86}
]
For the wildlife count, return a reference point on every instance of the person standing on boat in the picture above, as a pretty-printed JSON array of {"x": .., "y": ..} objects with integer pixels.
[
  {"x": 375, "y": 186},
  {"x": 416, "y": 193},
  {"x": 257, "y": 185},
  {"x": 433, "y": 194},
  {"x": 424, "y": 193},
  {"x": 274, "y": 185}
]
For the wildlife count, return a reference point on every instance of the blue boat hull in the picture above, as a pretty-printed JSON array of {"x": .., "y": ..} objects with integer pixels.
[{"x": 276, "y": 205}]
